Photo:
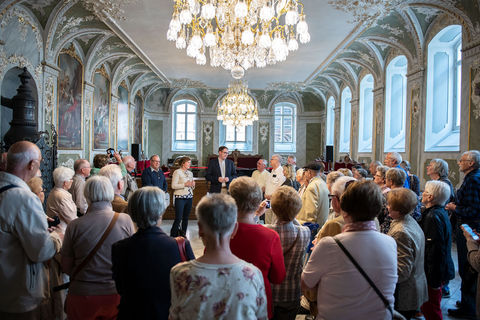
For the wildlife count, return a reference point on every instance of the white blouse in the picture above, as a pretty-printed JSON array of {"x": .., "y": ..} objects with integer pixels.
[{"x": 178, "y": 182}]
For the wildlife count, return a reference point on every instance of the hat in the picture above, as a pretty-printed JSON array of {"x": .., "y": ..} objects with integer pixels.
[{"x": 313, "y": 166}]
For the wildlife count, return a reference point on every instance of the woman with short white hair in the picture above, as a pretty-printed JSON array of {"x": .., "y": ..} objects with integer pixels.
[
  {"x": 218, "y": 284},
  {"x": 92, "y": 293},
  {"x": 142, "y": 263},
  {"x": 436, "y": 226},
  {"x": 59, "y": 201}
]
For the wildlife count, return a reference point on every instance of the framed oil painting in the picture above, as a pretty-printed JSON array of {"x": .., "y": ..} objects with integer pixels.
[
  {"x": 101, "y": 111},
  {"x": 122, "y": 119},
  {"x": 69, "y": 105},
  {"x": 137, "y": 119}
]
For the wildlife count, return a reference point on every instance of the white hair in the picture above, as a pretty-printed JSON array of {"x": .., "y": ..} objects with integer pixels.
[
  {"x": 98, "y": 188},
  {"x": 439, "y": 190},
  {"x": 396, "y": 156},
  {"x": 279, "y": 157},
  {"x": 127, "y": 159},
  {"x": 338, "y": 187},
  {"x": 62, "y": 174},
  {"x": 218, "y": 213},
  {"x": 146, "y": 206},
  {"x": 473, "y": 155},
  {"x": 20, "y": 154},
  {"x": 113, "y": 173}
]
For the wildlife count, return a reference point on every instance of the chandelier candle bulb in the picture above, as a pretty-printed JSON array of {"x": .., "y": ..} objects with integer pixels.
[
  {"x": 243, "y": 32},
  {"x": 237, "y": 108}
]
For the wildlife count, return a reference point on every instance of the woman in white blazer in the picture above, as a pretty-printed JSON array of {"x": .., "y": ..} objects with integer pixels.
[{"x": 183, "y": 185}]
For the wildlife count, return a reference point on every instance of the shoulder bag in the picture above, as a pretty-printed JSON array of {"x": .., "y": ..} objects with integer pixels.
[{"x": 91, "y": 254}]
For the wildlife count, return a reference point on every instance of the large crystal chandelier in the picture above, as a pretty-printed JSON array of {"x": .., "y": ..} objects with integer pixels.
[
  {"x": 237, "y": 108},
  {"x": 238, "y": 34}
]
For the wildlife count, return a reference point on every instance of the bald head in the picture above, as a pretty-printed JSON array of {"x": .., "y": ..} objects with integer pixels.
[{"x": 23, "y": 160}]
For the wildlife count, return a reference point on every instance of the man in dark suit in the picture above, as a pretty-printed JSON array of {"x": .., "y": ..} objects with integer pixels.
[
  {"x": 153, "y": 176},
  {"x": 220, "y": 172}
]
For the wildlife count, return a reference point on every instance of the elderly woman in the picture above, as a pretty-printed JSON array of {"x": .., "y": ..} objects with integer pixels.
[
  {"x": 92, "y": 293},
  {"x": 60, "y": 202},
  {"x": 411, "y": 291},
  {"x": 359, "y": 173},
  {"x": 218, "y": 285},
  {"x": 182, "y": 185},
  {"x": 336, "y": 276},
  {"x": 437, "y": 169},
  {"x": 413, "y": 180},
  {"x": 439, "y": 267},
  {"x": 380, "y": 179},
  {"x": 394, "y": 179},
  {"x": 294, "y": 238},
  {"x": 346, "y": 172},
  {"x": 290, "y": 177},
  {"x": 268, "y": 257},
  {"x": 36, "y": 185},
  {"x": 142, "y": 263}
]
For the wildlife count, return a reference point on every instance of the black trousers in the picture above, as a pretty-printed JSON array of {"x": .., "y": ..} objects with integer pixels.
[{"x": 182, "y": 212}]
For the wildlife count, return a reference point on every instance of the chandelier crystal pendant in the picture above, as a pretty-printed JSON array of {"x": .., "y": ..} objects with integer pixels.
[
  {"x": 238, "y": 33},
  {"x": 237, "y": 108}
]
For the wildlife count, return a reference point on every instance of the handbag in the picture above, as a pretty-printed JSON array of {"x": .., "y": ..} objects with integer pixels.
[
  {"x": 362, "y": 272},
  {"x": 181, "y": 248},
  {"x": 90, "y": 255}
]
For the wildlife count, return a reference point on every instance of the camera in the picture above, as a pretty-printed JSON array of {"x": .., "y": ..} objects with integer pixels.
[
  {"x": 110, "y": 152},
  {"x": 268, "y": 204},
  {"x": 55, "y": 222}
]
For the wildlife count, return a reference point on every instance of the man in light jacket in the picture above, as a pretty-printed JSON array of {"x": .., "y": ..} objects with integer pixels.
[
  {"x": 315, "y": 204},
  {"x": 25, "y": 241}
]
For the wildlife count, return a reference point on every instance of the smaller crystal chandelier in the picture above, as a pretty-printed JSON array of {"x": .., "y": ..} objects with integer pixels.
[
  {"x": 238, "y": 34},
  {"x": 237, "y": 108}
]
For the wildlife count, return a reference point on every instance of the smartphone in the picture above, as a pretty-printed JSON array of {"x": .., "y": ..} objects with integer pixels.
[
  {"x": 55, "y": 222},
  {"x": 268, "y": 204},
  {"x": 469, "y": 230}
]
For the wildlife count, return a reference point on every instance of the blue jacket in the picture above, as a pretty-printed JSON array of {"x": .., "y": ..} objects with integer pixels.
[
  {"x": 213, "y": 173},
  {"x": 141, "y": 269},
  {"x": 153, "y": 178}
]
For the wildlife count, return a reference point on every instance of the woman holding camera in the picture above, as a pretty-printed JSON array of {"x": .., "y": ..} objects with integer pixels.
[{"x": 183, "y": 185}]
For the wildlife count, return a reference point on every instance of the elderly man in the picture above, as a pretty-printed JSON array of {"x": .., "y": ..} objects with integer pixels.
[
  {"x": 220, "y": 172},
  {"x": 114, "y": 174},
  {"x": 24, "y": 236},
  {"x": 129, "y": 182},
  {"x": 373, "y": 167},
  {"x": 153, "y": 175},
  {"x": 315, "y": 205},
  {"x": 393, "y": 160},
  {"x": 82, "y": 170},
  {"x": 292, "y": 160},
  {"x": 260, "y": 175},
  {"x": 274, "y": 180},
  {"x": 467, "y": 210}
]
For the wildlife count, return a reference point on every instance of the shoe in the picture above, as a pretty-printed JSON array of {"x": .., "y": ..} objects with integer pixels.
[
  {"x": 458, "y": 303},
  {"x": 460, "y": 313},
  {"x": 445, "y": 293}
]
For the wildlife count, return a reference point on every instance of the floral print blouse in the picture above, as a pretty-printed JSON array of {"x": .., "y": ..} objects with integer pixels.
[{"x": 213, "y": 291}]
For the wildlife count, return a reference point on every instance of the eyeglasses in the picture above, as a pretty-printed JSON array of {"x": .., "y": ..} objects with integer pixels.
[{"x": 154, "y": 160}]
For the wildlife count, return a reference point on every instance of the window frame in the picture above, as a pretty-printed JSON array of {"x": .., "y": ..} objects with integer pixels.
[
  {"x": 344, "y": 145},
  {"x": 330, "y": 137},
  {"x": 246, "y": 145},
  {"x": 397, "y": 143},
  {"x": 285, "y": 146},
  {"x": 365, "y": 145},
  {"x": 184, "y": 144}
]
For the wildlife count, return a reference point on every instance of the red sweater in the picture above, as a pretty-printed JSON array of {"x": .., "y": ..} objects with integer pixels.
[{"x": 261, "y": 247}]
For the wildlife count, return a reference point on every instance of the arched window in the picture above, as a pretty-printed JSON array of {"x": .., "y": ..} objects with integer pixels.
[
  {"x": 396, "y": 105},
  {"x": 345, "y": 118},
  {"x": 330, "y": 121},
  {"x": 285, "y": 127},
  {"x": 442, "y": 131},
  {"x": 239, "y": 138},
  {"x": 184, "y": 126},
  {"x": 365, "y": 114}
]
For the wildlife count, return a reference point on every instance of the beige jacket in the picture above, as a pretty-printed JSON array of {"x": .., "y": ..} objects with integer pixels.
[
  {"x": 178, "y": 182},
  {"x": 412, "y": 282},
  {"x": 78, "y": 185},
  {"x": 315, "y": 204},
  {"x": 26, "y": 244},
  {"x": 60, "y": 203}
]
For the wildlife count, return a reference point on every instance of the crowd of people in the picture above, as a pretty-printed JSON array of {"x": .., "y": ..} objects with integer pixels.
[{"x": 352, "y": 244}]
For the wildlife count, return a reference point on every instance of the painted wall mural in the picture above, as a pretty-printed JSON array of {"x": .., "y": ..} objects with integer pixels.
[
  {"x": 137, "y": 119},
  {"x": 122, "y": 119},
  {"x": 101, "y": 110},
  {"x": 69, "y": 113}
]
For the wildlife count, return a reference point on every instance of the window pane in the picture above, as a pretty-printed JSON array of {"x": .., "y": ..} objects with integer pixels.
[
  {"x": 287, "y": 110},
  {"x": 230, "y": 133},
  {"x": 396, "y": 104},
  {"x": 191, "y": 127},
  {"x": 180, "y": 125},
  {"x": 181, "y": 107},
  {"x": 240, "y": 133},
  {"x": 278, "y": 110},
  {"x": 190, "y": 108},
  {"x": 440, "y": 91},
  {"x": 278, "y": 129}
]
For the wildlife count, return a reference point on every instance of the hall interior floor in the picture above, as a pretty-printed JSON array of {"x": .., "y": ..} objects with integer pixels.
[{"x": 447, "y": 303}]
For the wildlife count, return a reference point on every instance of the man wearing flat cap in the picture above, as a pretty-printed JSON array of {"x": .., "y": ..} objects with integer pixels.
[{"x": 315, "y": 198}]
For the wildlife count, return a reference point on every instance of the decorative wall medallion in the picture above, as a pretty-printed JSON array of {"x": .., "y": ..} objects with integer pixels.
[
  {"x": 263, "y": 130},
  {"x": 49, "y": 101},
  {"x": 415, "y": 106},
  {"x": 207, "y": 132},
  {"x": 378, "y": 117}
]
